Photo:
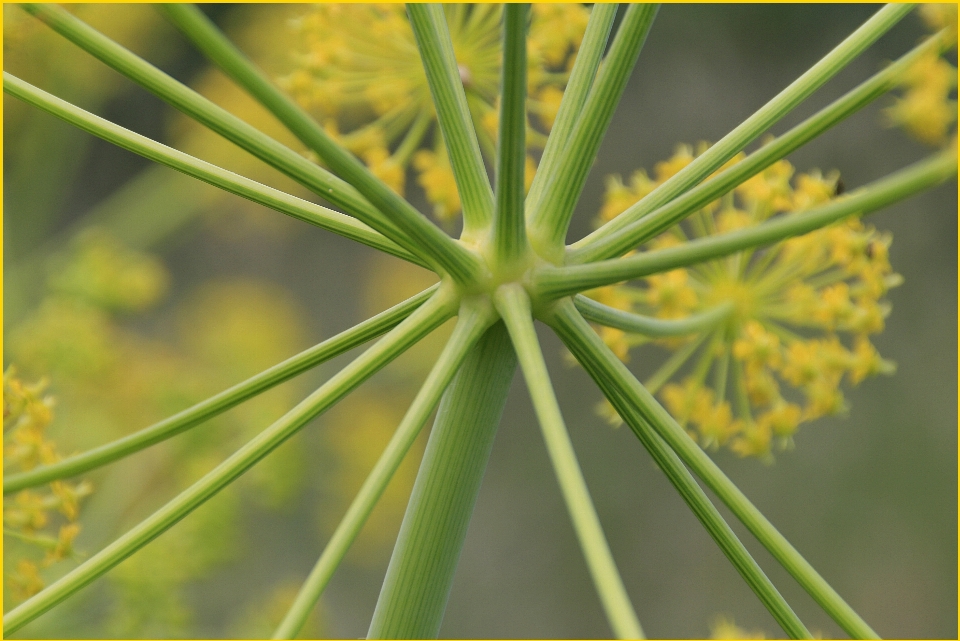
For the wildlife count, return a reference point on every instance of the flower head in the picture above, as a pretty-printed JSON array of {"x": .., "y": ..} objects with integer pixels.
[
  {"x": 359, "y": 70},
  {"x": 800, "y": 312}
]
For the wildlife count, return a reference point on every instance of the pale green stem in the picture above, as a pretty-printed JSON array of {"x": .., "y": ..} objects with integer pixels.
[
  {"x": 215, "y": 405},
  {"x": 760, "y": 121},
  {"x": 471, "y": 324},
  {"x": 648, "y": 223},
  {"x": 417, "y": 585},
  {"x": 596, "y": 360},
  {"x": 514, "y": 306},
  {"x": 674, "y": 363},
  {"x": 509, "y": 231},
  {"x": 645, "y": 325},
  {"x": 452, "y": 257},
  {"x": 551, "y": 283},
  {"x": 453, "y": 114},
  {"x": 421, "y": 322},
  {"x": 573, "y": 331},
  {"x": 328, "y": 219},
  {"x": 574, "y": 95},
  {"x": 308, "y": 174},
  {"x": 549, "y": 227}
]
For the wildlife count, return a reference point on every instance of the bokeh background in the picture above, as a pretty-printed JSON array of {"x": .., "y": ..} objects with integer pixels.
[{"x": 137, "y": 291}]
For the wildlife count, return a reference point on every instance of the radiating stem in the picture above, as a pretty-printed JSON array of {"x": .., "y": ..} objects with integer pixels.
[
  {"x": 454, "y": 259},
  {"x": 514, "y": 306},
  {"x": 556, "y": 282},
  {"x": 415, "y": 590},
  {"x": 595, "y": 358},
  {"x": 645, "y": 325},
  {"x": 549, "y": 227},
  {"x": 308, "y": 174},
  {"x": 453, "y": 114},
  {"x": 574, "y": 331},
  {"x": 328, "y": 219},
  {"x": 215, "y": 405},
  {"x": 751, "y": 128},
  {"x": 574, "y": 95},
  {"x": 509, "y": 231},
  {"x": 471, "y": 324},
  {"x": 416, "y": 326}
]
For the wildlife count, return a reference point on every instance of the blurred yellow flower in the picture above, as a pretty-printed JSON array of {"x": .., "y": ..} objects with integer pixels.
[
  {"x": 789, "y": 305},
  {"x": 359, "y": 71}
]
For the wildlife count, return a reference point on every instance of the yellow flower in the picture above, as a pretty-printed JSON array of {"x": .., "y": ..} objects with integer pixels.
[
  {"x": 358, "y": 69},
  {"x": 746, "y": 387}
]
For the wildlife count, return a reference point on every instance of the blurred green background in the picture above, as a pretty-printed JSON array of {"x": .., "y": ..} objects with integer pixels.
[{"x": 224, "y": 289}]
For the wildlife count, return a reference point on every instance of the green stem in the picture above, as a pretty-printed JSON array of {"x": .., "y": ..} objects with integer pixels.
[
  {"x": 674, "y": 363},
  {"x": 554, "y": 283},
  {"x": 648, "y": 222},
  {"x": 509, "y": 231},
  {"x": 228, "y": 181},
  {"x": 421, "y": 322},
  {"x": 645, "y": 325},
  {"x": 215, "y": 405},
  {"x": 452, "y": 257},
  {"x": 549, "y": 227},
  {"x": 760, "y": 121},
  {"x": 596, "y": 359},
  {"x": 573, "y": 331},
  {"x": 308, "y": 174},
  {"x": 514, "y": 306},
  {"x": 453, "y": 114},
  {"x": 574, "y": 96},
  {"x": 415, "y": 589},
  {"x": 472, "y": 323}
]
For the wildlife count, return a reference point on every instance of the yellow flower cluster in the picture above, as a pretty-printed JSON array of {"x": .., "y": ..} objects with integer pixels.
[
  {"x": 777, "y": 358},
  {"x": 29, "y": 516},
  {"x": 360, "y": 72},
  {"x": 926, "y": 110}
]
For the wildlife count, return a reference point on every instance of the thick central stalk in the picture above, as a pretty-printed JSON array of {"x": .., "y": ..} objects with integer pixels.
[{"x": 415, "y": 590}]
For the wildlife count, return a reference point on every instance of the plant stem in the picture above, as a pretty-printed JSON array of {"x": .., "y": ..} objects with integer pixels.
[
  {"x": 554, "y": 283},
  {"x": 472, "y": 323},
  {"x": 627, "y": 386},
  {"x": 514, "y": 306},
  {"x": 635, "y": 323},
  {"x": 595, "y": 358},
  {"x": 453, "y": 114},
  {"x": 647, "y": 223},
  {"x": 574, "y": 95},
  {"x": 215, "y": 405},
  {"x": 428, "y": 317},
  {"x": 548, "y": 228},
  {"x": 275, "y": 199},
  {"x": 454, "y": 258},
  {"x": 751, "y": 128},
  {"x": 509, "y": 231},
  {"x": 417, "y": 585},
  {"x": 308, "y": 174}
]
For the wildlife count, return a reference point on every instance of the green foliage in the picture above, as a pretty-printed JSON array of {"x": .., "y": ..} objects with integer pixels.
[{"x": 509, "y": 268}]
